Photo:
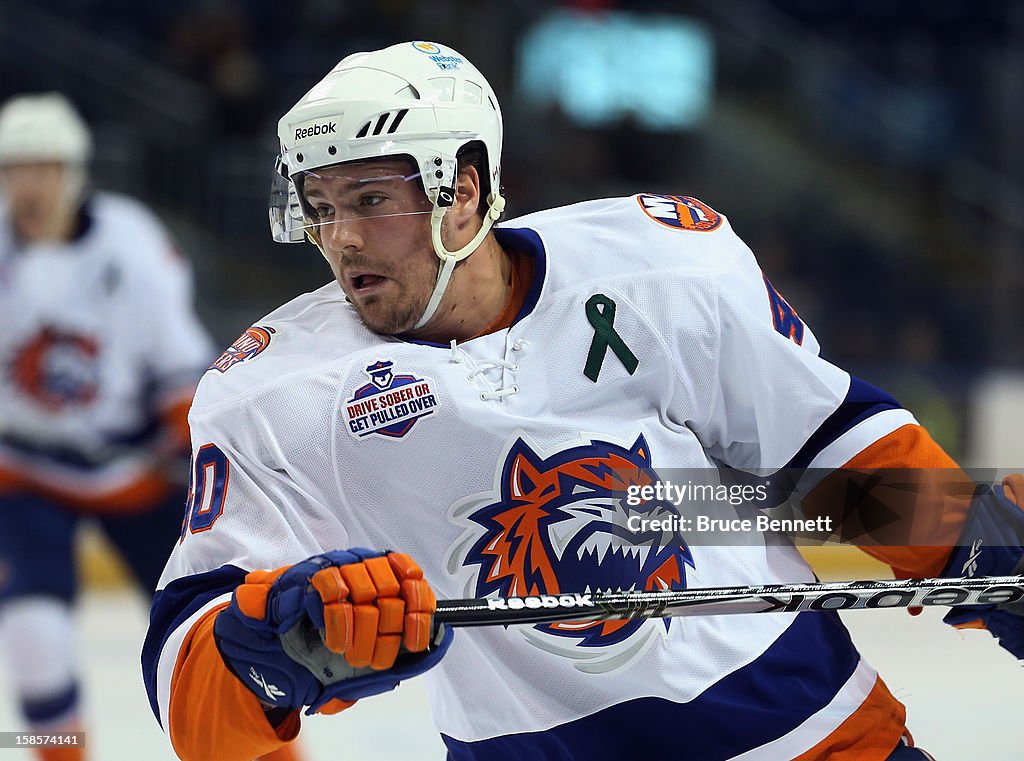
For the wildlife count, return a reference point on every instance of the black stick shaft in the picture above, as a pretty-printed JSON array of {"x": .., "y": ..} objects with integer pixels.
[{"x": 772, "y": 598}]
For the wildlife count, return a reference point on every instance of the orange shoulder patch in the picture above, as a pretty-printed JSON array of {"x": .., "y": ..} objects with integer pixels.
[{"x": 679, "y": 212}]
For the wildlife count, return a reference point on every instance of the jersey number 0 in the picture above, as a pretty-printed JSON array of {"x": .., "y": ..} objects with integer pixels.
[{"x": 208, "y": 483}]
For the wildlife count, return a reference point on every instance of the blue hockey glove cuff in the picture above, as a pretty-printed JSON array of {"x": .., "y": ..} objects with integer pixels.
[{"x": 992, "y": 544}]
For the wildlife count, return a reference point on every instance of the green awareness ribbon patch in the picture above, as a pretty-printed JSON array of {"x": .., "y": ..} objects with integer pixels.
[{"x": 601, "y": 315}]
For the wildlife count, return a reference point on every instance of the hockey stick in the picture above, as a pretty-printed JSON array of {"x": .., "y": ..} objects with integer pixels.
[{"x": 772, "y": 598}]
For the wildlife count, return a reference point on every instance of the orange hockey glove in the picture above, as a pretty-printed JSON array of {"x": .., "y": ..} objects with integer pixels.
[{"x": 330, "y": 630}]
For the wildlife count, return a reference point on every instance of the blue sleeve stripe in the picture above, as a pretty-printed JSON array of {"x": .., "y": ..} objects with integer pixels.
[
  {"x": 794, "y": 679},
  {"x": 862, "y": 401},
  {"x": 172, "y": 606}
]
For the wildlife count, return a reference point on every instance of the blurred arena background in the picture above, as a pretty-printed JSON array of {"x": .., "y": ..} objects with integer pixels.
[{"x": 869, "y": 151}]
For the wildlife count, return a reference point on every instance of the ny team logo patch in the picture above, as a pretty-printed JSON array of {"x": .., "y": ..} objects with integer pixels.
[
  {"x": 389, "y": 405},
  {"x": 557, "y": 524},
  {"x": 57, "y": 369},
  {"x": 252, "y": 342},
  {"x": 679, "y": 212}
]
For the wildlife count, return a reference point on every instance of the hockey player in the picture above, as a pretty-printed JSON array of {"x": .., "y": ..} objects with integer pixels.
[
  {"x": 477, "y": 398},
  {"x": 99, "y": 355}
]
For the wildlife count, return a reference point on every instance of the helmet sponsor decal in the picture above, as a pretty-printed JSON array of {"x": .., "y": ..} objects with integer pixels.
[
  {"x": 679, "y": 212},
  {"x": 446, "y": 62},
  {"x": 427, "y": 47},
  {"x": 389, "y": 405},
  {"x": 252, "y": 342}
]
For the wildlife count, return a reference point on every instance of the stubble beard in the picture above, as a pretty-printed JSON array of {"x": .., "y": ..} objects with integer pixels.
[
  {"x": 386, "y": 316},
  {"x": 389, "y": 315}
]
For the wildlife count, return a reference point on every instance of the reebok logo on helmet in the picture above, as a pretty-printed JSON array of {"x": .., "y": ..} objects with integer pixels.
[{"x": 301, "y": 133}]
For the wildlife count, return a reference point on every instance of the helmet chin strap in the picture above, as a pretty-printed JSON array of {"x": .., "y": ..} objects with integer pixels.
[{"x": 496, "y": 205}]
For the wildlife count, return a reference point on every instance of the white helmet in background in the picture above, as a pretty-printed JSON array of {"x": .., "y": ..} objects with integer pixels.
[
  {"x": 43, "y": 127},
  {"x": 417, "y": 99}
]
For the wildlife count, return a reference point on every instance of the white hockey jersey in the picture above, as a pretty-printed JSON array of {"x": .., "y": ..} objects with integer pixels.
[
  {"x": 99, "y": 333},
  {"x": 650, "y": 340}
]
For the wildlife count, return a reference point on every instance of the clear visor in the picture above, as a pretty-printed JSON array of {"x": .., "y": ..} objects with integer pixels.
[{"x": 314, "y": 199}]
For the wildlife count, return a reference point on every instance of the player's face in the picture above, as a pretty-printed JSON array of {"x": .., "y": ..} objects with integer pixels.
[
  {"x": 374, "y": 227},
  {"x": 38, "y": 197}
]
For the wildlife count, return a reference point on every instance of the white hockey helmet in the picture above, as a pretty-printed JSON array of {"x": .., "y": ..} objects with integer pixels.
[
  {"x": 43, "y": 127},
  {"x": 417, "y": 99}
]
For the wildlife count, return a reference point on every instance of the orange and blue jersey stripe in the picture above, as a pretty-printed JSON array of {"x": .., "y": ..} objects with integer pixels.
[
  {"x": 796, "y": 697},
  {"x": 206, "y": 711},
  {"x": 172, "y": 607},
  {"x": 870, "y": 432},
  {"x": 862, "y": 402}
]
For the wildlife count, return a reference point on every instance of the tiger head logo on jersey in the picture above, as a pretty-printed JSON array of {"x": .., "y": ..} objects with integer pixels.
[
  {"x": 558, "y": 524},
  {"x": 57, "y": 369},
  {"x": 251, "y": 343}
]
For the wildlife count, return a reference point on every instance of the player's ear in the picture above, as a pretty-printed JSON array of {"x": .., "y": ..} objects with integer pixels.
[{"x": 467, "y": 197}]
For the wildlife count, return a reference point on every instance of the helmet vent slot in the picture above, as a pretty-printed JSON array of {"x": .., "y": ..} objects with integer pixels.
[
  {"x": 377, "y": 127},
  {"x": 398, "y": 120}
]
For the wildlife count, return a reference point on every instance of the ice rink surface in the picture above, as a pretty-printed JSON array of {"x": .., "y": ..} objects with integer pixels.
[{"x": 963, "y": 693}]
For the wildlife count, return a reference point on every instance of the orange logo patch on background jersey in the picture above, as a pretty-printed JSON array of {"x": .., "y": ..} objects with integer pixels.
[
  {"x": 679, "y": 212},
  {"x": 58, "y": 369}
]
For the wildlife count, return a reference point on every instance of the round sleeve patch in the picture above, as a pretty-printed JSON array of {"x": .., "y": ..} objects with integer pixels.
[{"x": 679, "y": 212}]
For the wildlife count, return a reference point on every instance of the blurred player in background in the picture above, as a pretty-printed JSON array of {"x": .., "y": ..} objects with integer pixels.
[
  {"x": 99, "y": 355},
  {"x": 478, "y": 398}
]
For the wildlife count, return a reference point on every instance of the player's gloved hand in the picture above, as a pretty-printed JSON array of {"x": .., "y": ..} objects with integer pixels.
[
  {"x": 332, "y": 629},
  {"x": 992, "y": 544}
]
